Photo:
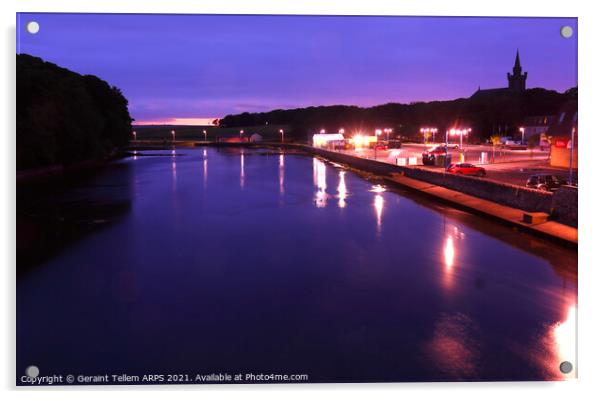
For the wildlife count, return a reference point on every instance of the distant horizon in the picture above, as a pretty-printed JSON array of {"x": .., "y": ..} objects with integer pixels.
[
  {"x": 203, "y": 67},
  {"x": 204, "y": 121}
]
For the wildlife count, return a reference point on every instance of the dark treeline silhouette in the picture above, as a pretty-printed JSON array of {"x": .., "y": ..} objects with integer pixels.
[
  {"x": 501, "y": 112},
  {"x": 65, "y": 118}
]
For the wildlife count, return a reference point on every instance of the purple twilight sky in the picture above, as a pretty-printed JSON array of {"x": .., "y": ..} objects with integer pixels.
[{"x": 183, "y": 67}]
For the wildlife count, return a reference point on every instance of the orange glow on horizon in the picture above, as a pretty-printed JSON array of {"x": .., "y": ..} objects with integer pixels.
[{"x": 178, "y": 121}]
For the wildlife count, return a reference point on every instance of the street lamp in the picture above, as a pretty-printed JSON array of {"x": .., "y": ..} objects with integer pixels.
[
  {"x": 522, "y": 132},
  {"x": 322, "y": 131},
  {"x": 388, "y": 131},
  {"x": 241, "y": 133},
  {"x": 426, "y": 130},
  {"x": 281, "y": 135},
  {"x": 173, "y": 135},
  {"x": 571, "y": 156},
  {"x": 134, "y": 133},
  {"x": 377, "y": 133},
  {"x": 458, "y": 132},
  {"x": 205, "y": 133}
]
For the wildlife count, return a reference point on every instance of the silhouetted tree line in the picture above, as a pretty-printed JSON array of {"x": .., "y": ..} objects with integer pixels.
[
  {"x": 64, "y": 117},
  {"x": 499, "y": 112}
]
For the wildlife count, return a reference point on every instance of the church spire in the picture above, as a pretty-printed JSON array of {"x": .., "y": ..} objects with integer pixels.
[{"x": 517, "y": 79}]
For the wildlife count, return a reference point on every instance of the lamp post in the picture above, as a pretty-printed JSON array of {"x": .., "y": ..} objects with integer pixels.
[
  {"x": 377, "y": 133},
  {"x": 173, "y": 135},
  {"x": 205, "y": 133},
  {"x": 241, "y": 133},
  {"x": 571, "y": 156},
  {"x": 134, "y": 133},
  {"x": 522, "y": 132},
  {"x": 426, "y": 130},
  {"x": 281, "y": 135},
  {"x": 388, "y": 131}
]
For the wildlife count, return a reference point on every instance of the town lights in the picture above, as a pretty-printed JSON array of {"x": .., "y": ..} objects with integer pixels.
[
  {"x": 322, "y": 131},
  {"x": 281, "y": 135},
  {"x": 134, "y": 133},
  {"x": 205, "y": 133},
  {"x": 377, "y": 133},
  {"x": 458, "y": 132},
  {"x": 426, "y": 131},
  {"x": 388, "y": 131},
  {"x": 341, "y": 131},
  {"x": 173, "y": 135},
  {"x": 360, "y": 140},
  {"x": 522, "y": 133}
]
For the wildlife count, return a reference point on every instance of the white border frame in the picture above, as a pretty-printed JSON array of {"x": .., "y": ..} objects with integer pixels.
[{"x": 590, "y": 67}]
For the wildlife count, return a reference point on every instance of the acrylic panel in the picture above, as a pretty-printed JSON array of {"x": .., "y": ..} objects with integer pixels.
[{"x": 295, "y": 199}]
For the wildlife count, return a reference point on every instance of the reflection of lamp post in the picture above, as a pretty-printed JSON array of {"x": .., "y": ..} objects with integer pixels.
[{"x": 281, "y": 135}]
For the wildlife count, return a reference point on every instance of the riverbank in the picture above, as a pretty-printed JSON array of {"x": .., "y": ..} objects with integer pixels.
[{"x": 51, "y": 172}]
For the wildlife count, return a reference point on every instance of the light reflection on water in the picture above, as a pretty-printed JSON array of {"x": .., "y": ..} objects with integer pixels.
[
  {"x": 242, "y": 168},
  {"x": 319, "y": 169},
  {"x": 404, "y": 298},
  {"x": 281, "y": 173},
  {"x": 342, "y": 189}
]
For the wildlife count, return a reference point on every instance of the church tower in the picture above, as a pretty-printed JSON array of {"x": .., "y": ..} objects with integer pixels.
[{"x": 517, "y": 81}]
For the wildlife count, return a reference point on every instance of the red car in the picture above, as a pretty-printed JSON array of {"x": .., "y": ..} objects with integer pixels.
[{"x": 466, "y": 169}]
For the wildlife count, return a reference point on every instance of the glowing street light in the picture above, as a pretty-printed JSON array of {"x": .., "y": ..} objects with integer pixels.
[
  {"x": 522, "y": 132},
  {"x": 241, "y": 133},
  {"x": 458, "y": 132},
  {"x": 205, "y": 133},
  {"x": 134, "y": 133},
  {"x": 388, "y": 131},
  {"x": 281, "y": 135},
  {"x": 377, "y": 133},
  {"x": 322, "y": 131},
  {"x": 173, "y": 135},
  {"x": 342, "y": 131},
  {"x": 426, "y": 130}
]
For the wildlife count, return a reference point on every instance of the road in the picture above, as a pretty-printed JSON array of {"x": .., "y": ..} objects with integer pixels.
[
  {"x": 472, "y": 153},
  {"x": 508, "y": 166}
]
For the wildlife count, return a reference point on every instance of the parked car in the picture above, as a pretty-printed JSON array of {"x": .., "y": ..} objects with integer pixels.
[
  {"x": 545, "y": 182},
  {"x": 466, "y": 169},
  {"x": 394, "y": 143},
  {"x": 381, "y": 146},
  {"x": 453, "y": 146},
  {"x": 429, "y": 156}
]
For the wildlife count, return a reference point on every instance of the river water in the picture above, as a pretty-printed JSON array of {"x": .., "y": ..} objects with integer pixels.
[{"x": 254, "y": 261}]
